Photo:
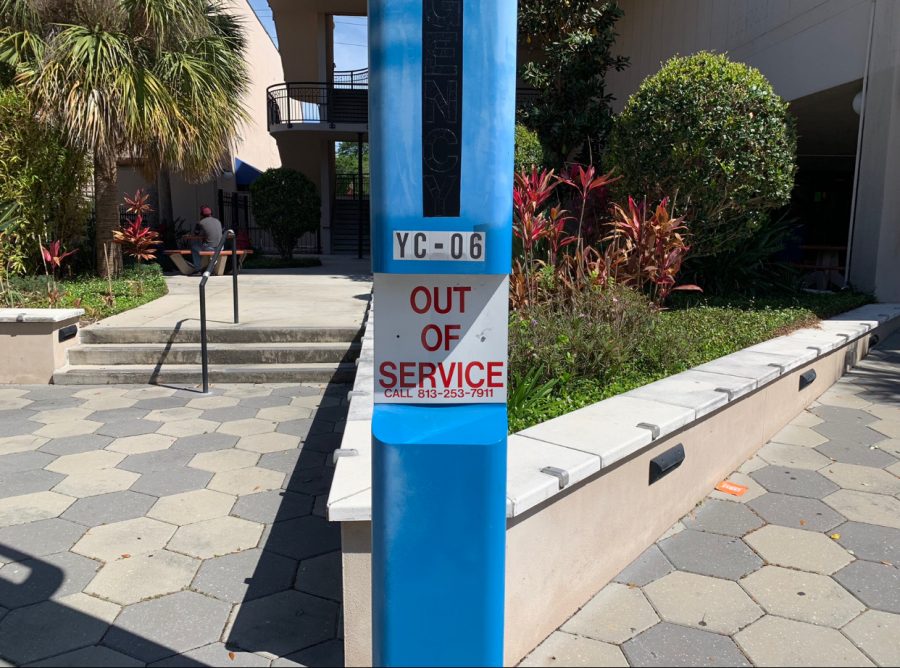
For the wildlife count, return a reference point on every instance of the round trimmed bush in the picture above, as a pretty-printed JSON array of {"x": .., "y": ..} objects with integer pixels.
[
  {"x": 713, "y": 134},
  {"x": 287, "y": 204},
  {"x": 528, "y": 149}
]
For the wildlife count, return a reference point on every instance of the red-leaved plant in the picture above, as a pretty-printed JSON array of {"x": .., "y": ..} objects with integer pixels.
[
  {"x": 563, "y": 255},
  {"x": 646, "y": 251},
  {"x": 54, "y": 256},
  {"x": 138, "y": 240}
]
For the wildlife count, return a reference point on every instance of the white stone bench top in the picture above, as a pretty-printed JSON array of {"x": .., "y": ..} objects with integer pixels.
[
  {"x": 585, "y": 441},
  {"x": 39, "y": 314}
]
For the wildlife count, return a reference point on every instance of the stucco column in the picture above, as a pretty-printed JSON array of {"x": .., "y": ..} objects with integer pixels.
[{"x": 875, "y": 253}]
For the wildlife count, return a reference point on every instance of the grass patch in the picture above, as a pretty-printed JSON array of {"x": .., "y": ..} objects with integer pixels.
[
  {"x": 137, "y": 286},
  {"x": 694, "y": 331},
  {"x": 273, "y": 262}
]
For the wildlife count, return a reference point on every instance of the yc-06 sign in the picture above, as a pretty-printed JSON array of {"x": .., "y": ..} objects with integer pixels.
[{"x": 440, "y": 339}]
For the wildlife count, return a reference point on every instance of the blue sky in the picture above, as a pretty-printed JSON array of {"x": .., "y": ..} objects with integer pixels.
[{"x": 350, "y": 36}]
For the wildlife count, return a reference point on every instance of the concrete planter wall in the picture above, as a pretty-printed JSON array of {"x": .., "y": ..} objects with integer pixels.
[
  {"x": 569, "y": 535},
  {"x": 34, "y": 343}
]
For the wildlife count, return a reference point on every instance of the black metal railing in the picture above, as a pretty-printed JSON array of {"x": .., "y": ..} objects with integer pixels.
[
  {"x": 347, "y": 186},
  {"x": 213, "y": 263},
  {"x": 352, "y": 78},
  {"x": 343, "y": 100},
  {"x": 234, "y": 210},
  {"x": 330, "y": 103}
]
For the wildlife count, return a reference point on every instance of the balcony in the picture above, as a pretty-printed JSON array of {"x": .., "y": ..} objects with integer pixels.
[{"x": 341, "y": 104}]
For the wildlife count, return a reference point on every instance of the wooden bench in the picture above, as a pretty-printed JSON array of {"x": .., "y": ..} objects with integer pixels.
[{"x": 185, "y": 267}]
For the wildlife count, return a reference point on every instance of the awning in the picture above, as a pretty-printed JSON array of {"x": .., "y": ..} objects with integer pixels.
[{"x": 245, "y": 173}]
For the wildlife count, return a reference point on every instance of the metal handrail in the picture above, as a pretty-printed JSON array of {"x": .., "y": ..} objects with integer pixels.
[
  {"x": 297, "y": 102},
  {"x": 213, "y": 263},
  {"x": 352, "y": 78},
  {"x": 347, "y": 186},
  {"x": 343, "y": 100}
]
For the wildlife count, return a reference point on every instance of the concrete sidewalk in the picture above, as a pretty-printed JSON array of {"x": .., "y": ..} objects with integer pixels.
[
  {"x": 333, "y": 295},
  {"x": 802, "y": 570}
]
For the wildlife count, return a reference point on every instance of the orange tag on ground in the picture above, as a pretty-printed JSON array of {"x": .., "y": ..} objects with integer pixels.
[{"x": 731, "y": 488}]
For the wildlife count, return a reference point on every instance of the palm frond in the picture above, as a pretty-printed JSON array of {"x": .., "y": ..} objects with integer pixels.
[
  {"x": 19, "y": 15},
  {"x": 21, "y": 49},
  {"x": 163, "y": 79},
  {"x": 226, "y": 25},
  {"x": 165, "y": 22}
]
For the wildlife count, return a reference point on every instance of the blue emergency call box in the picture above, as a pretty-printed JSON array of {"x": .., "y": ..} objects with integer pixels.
[{"x": 441, "y": 128}]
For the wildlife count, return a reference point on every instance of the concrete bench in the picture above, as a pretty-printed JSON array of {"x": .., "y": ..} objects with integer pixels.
[
  {"x": 34, "y": 343},
  {"x": 178, "y": 257}
]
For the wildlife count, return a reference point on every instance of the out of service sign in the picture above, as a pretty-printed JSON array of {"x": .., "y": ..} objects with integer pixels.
[{"x": 440, "y": 339}]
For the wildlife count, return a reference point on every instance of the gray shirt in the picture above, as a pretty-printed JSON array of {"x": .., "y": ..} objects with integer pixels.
[{"x": 212, "y": 230}]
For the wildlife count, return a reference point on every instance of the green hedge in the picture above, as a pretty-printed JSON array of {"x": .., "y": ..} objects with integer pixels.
[
  {"x": 695, "y": 331},
  {"x": 528, "y": 149},
  {"x": 713, "y": 134},
  {"x": 287, "y": 204}
]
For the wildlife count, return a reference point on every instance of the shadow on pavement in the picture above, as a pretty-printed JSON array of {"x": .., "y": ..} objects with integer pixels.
[
  {"x": 877, "y": 372},
  {"x": 302, "y": 624},
  {"x": 41, "y": 629}
]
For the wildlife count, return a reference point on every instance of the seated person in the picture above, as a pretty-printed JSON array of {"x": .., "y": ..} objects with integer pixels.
[{"x": 210, "y": 229}]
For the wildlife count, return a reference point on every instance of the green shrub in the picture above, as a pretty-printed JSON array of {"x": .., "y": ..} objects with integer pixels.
[
  {"x": 43, "y": 178},
  {"x": 713, "y": 134},
  {"x": 287, "y": 204},
  {"x": 593, "y": 334},
  {"x": 529, "y": 151}
]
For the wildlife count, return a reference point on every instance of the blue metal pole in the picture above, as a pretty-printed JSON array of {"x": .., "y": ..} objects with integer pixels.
[{"x": 442, "y": 105}]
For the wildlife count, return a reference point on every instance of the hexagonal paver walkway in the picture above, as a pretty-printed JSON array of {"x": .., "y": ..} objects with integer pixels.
[
  {"x": 803, "y": 570},
  {"x": 151, "y": 525}
]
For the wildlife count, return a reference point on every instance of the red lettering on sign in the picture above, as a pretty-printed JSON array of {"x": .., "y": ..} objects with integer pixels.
[
  {"x": 462, "y": 297},
  {"x": 448, "y": 305},
  {"x": 387, "y": 371},
  {"x": 408, "y": 374},
  {"x": 421, "y": 290},
  {"x": 423, "y": 299},
  {"x": 427, "y": 375},
  {"x": 445, "y": 377},
  {"x": 449, "y": 336},
  {"x": 434, "y": 338},
  {"x": 495, "y": 371},
  {"x": 437, "y": 338},
  {"x": 470, "y": 375},
  {"x": 469, "y": 380}
]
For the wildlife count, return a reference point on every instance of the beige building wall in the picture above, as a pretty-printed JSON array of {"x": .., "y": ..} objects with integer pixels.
[
  {"x": 802, "y": 46},
  {"x": 304, "y": 36},
  {"x": 255, "y": 145}
]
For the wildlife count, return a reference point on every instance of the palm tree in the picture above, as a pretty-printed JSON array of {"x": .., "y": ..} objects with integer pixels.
[{"x": 159, "y": 80}]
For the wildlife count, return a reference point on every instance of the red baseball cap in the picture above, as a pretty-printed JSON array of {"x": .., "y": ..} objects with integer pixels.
[{"x": 205, "y": 211}]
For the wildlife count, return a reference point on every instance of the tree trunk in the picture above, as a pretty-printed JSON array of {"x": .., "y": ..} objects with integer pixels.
[{"x": 106, "y": 202}]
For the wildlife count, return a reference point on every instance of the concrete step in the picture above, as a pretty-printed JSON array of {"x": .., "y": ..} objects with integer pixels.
[
  {"x": 191, "y": 374},
  {"x": 123, "y": 335},
  {"x": 219, "y": 353}
]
